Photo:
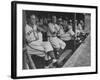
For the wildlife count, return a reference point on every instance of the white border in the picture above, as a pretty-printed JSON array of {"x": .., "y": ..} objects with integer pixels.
[{"x": 35, "y": 72}]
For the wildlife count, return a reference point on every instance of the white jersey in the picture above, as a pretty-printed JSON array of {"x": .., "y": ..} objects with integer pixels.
[
  {"x": 53, "y": 29},
  {"x": 60, "y": 30},
  {"x": 79, "y": 28},
  {"x": 71, "y": 32},
  {"x": 56, "y": 42},
  {"x": 31, "y": 33},
  {"x": 35, "y": 44},
  {"x": 65, "y": 36}
]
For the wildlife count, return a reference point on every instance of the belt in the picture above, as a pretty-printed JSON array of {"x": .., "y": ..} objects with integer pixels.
[
  {"x": 52, "y": 36},
  {"x": 31, "y": 41}
]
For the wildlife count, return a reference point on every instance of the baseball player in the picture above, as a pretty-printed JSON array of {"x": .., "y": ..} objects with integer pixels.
[
  {"x": 62, "y": 34},
  {"x": 52, "y": 33},
  {"x": 35, "y": 42}
]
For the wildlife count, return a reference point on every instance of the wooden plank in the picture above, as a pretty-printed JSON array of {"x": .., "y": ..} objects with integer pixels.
[
  {"x": 25, "y": 61},
  {"x": 30, "y": 62}
]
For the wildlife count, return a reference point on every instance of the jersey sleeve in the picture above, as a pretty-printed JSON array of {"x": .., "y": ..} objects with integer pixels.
[
  {"x": 28, "y": 33},
  {"x": 51, "y": 28}
]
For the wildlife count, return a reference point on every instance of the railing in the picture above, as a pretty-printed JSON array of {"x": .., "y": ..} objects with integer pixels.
[{"x": 28, "y": 63}]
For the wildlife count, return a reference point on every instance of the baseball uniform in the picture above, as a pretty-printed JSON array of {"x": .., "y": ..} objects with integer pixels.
[
  {"x": 34, "y": 39},
  {"x": 54, "y": 40}
]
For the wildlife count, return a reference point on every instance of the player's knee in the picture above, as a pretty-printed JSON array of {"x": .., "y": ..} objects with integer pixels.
[
  {"x": 63, "y": 45},
  {"x": 57, "y": 46}
]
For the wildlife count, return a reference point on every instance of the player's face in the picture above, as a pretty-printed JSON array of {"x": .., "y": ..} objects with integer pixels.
[
  {"x": 60, "y": 22},
  {"x": 65, "y": 22},
  {"x": 81, "y": 22},
  {"x": 33, "y": 19},
  {"x": 69, "y": 27},
  {"x": 41, "y": 21}
]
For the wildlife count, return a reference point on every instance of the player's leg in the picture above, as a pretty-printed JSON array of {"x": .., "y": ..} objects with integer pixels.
[
  {"x": 49, "y": 50},
  {"x": 61, "y": 43}
]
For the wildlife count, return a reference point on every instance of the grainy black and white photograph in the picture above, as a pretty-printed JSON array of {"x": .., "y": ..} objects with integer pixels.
[
  {"x": 56, "y": 39},
  {"x": 53, "y": 39}
]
